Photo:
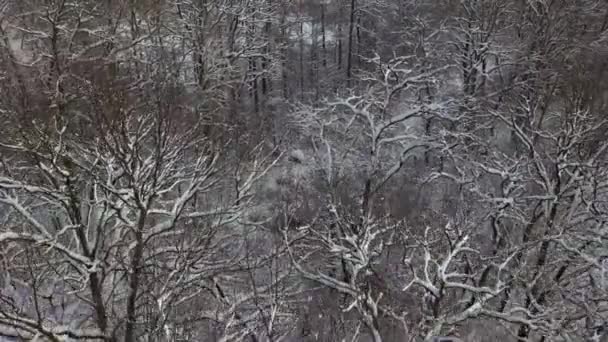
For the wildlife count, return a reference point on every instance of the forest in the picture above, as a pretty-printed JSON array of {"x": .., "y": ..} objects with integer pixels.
[{"x": 303, "y": 170}]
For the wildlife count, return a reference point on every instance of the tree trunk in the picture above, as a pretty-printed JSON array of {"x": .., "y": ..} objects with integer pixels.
[
  {"x": 253, "y": 90},
  {"x": 349, "y": 56},
  {"x": 301, "y": 59},
  {"x": 134, "y": 281},
  {"x": 323, "y": 42}
]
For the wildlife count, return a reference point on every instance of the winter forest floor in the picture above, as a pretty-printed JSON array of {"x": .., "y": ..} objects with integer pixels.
[{"x": 310, "y": 170}]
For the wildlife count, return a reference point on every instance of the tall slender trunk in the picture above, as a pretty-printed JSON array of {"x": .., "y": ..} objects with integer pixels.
[
  {"x": 253, "y": 87},
  {"x": 301, "y": 59},
  {"x": 349, "y": 56},
  {"x": 231, "y": 93},
  {"x": 313, "y": 67},
  {"x": 253, "y": 65},
  {"x": 284, "y": 54},
  {"x": 266, "y": 85},
  {"x": 339, "y": 48},
  {"x": 358, "y": 36},
  {"x": 323, "y": 39},
  {"x": 284, "y": 72}
]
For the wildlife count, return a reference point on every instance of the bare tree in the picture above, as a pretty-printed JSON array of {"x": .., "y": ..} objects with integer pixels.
[{"x": 115, "y": 194}]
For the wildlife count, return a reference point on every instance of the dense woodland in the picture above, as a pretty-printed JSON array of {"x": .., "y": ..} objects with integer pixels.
[{"x": 303, "y": 170}]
